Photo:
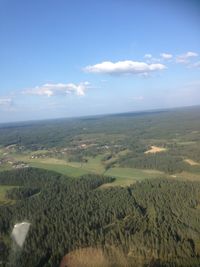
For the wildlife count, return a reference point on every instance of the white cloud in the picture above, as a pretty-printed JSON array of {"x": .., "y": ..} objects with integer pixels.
[
  {"x": 6, "y": 104},
  {"x": 166, "y": 55},
  {"x": 185, "y": 58},
  {"x": 191, "y": 54},
  {"x": 195, "y": 65},
  {"x": 138, "y": 98},
  {"x": 5, "y": 101},
  {"x": 51, "y": 89},
  {"x": 148, "y": 56},
  {"x": 124, "y": 67}
]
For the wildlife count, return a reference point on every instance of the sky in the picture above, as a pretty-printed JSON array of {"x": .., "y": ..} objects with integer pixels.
[{"x": 68, "y": 58}]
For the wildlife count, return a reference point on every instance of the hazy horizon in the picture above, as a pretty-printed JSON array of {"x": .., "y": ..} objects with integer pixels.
[{"x": 101, "y": 114}]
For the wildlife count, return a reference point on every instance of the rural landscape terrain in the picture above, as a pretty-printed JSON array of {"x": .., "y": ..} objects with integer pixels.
[
  {"x": 122, "y": 188},
  {"x": 128, "y": 146},
  {"x": 99, "y": 133}
]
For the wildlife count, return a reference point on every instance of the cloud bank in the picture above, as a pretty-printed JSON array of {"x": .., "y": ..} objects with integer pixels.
[
  {"x": 5, "y": 102},
  {"x": 196, "y": 65},
  {"x": 138, "y": 98},
  {"x": 124, "y": 67},
  {"x": 51, "y": 89},
  {"x": 148, "y": 56},
  {"x": 185, "y": 58},
  {"x": 166, "y": 55}
]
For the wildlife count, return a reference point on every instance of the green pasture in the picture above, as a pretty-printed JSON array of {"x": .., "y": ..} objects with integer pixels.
[
  {"x": 63, "y": 169},
  {"x": 124, "y": 176},
  {"x": 127, "y": 176},
  {"x": 3, "y": 199}
]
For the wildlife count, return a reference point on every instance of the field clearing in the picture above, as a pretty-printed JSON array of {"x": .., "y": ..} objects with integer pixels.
[
  {"x": 101, "y": 136},
  {"x": 93, "y": 165},
  {"x": 63, "y": 169},
  {"x": 123, "y": 152},
  {"x": 192, "y": 162},
  {"x": 28, "y": 159},
  {"x": 5, "y": 167},
  {"x": 155, "y": 149},
  {"x": 123, "y": 182},
  {"x": 40, "y": 152},
  {"x": 127, "y": 176},
  {"x": 3, "y": 199},
  {"x": 188, "y": 176},
  {"x": 85, "y": 257},
  {"x": 124, "y": 176},
  {"x": 90, "y": 257},
  {"x": 186, "y": 143}
]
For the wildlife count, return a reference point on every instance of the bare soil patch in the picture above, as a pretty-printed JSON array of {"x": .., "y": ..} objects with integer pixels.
[
  {"x": 94, "y": 257},
  {"x": 85, "y": 257},
  {"x": 191, "y": 162},
  {"x": 155, "y": 149}
]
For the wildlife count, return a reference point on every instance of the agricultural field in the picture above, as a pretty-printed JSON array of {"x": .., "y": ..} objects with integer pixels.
[
  {"x": 130, "y": 147},
  {"x": 4, "y": 200}
]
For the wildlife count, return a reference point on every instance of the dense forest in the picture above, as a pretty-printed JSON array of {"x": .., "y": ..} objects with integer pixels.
[{"x": 151, "y": 223}]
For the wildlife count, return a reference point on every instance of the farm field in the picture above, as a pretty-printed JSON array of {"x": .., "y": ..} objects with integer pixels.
[
  {"x": 124, "y": 176},
  {"x": 127, "y": 146},
  {"x": 127, "y": 176},
  {"x": 3, "y": 199},
  {"x": 63, "y": 169}
]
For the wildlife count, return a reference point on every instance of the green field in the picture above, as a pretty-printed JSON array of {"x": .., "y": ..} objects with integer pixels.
[
  {"x": 124, "y": 175},
  {"x": 63, "y": 169},
  {"x": 5, "y": 167},
  {"x": 3, "y": 199},
  {"x": 110, "y": 145},
  {"x": 127, "y": 176}
]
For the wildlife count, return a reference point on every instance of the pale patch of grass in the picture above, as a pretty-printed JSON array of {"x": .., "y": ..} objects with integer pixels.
[
  {"x": 85, "y": 257},
  {"x": 95, "y": 257},
  {"x": 127, "y": 176},
  {"x": 63, "y": 169},
  {"x": 123, "y": 152},
  {"x": 94, "y": 164},
  {"x": 155, "y": 149},
  {"x": 3, "y": 199},
  {"x": 188, "y": 176},
  {"x": 186, "y": 143},
  {"x": 192, "y": 162},
  {"x": 38, "y": 152},
  {"x": 5, "y": 167},
  {"x": 119, "y": 182}
]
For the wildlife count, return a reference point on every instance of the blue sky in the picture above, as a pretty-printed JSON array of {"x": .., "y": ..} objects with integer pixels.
[{"x": 63, "y": 58}]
